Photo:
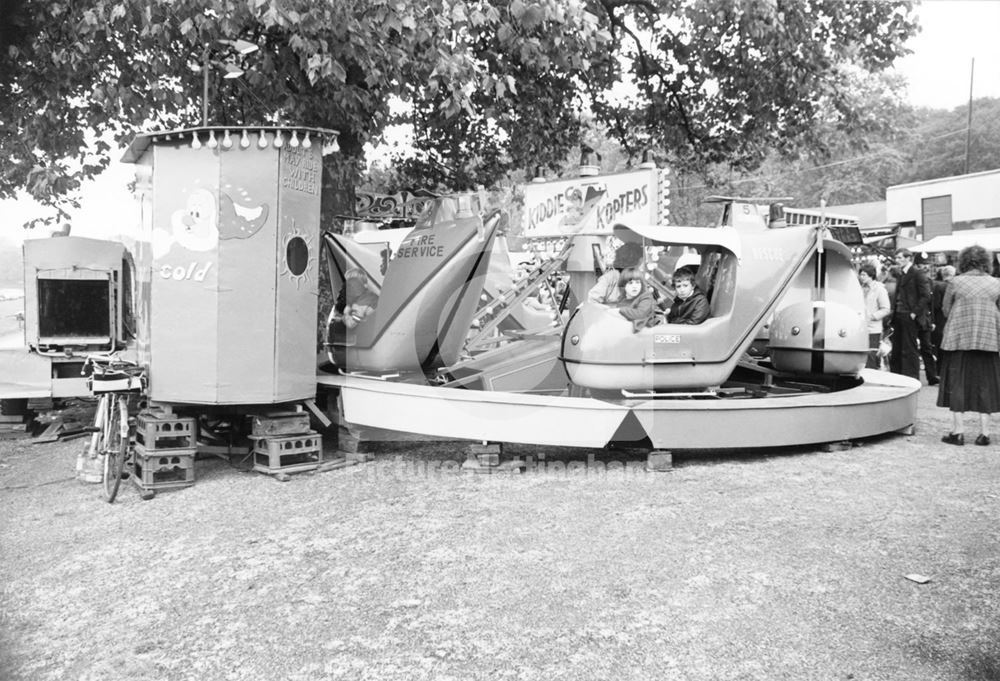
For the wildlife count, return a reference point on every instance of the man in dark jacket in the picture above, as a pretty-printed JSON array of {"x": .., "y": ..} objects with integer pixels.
[
  {"x": 911, "y": 318},
  {"x": 940, "y": 285}
]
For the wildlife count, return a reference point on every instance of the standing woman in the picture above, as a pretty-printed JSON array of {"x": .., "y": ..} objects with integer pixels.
[
  {"x": 970, "y": 371},
  {"x": 876, "y": 309}
]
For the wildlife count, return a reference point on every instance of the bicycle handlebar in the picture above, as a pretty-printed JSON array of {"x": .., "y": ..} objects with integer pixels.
[{"x": 111, "y": 362}]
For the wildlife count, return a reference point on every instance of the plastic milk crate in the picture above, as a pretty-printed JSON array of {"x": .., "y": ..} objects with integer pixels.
[
  {"x": 163, "y": 469},
  {"x": 288, "y": 453},
  {"x": 158, "y": 432}
]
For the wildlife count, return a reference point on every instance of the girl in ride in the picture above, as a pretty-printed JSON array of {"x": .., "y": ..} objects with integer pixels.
[
  {"x": 635, "y": 300},
  {"x": 607, "y": 288}
]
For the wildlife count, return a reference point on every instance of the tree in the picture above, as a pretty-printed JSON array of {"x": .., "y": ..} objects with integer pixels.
[
  {"x": 915, "y": 145},
  {"x": 938, "y": 147},
  {"x": 492, "y": 85},
  {"x": 712, "y": 82},
  {"x": 727, "y": 81},
  {"x": 110, "y": 67}
]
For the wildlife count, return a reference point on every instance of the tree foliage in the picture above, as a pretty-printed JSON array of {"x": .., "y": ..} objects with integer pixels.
[
  {"x": 916, "y": 145},
  {"x": 490, "y": 85},
  {"x": 939, "y": 145},
  {"x": 730, "y": 81}
]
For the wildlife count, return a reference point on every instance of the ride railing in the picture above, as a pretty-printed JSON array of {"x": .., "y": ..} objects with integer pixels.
[{"x": 492, "y": 314}]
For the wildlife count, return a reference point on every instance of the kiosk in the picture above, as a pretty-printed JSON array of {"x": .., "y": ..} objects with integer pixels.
[{"x": 228, "y": 262}]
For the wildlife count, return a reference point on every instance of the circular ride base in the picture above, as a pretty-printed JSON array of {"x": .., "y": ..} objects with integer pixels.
[{"x": 880, "y": 403}]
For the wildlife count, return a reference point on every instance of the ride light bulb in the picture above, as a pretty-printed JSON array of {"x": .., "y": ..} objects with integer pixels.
[
  {"x": 575, "y": 340},
  {"x": 262, "y": 141},
  {"x": 244, "y": 140},
  {"x": 306, "y": 143},
  {"x": 227, "y": 141},
  {"x": 279, "y": 139},
  {"x": 195, "y": 142},
  {"x": 294, "y": 142},
  {"x": 212, "y": 142}
]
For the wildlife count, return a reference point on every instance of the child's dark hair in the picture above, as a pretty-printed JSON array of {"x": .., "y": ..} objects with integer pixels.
[
  {"x": 684, "y": 274},
  {"x": 629, "y": 254}
]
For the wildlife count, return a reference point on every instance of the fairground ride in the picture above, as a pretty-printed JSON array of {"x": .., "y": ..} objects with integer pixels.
[{"x": 446, "y": 352}]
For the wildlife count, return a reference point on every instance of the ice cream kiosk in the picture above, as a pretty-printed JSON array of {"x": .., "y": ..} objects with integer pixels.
[
  {"x": 228, "y": 262},
  {"x": 227, "y": 268}
]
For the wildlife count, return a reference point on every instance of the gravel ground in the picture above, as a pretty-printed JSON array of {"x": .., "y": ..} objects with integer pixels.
[{"x": 782, "y": 566}]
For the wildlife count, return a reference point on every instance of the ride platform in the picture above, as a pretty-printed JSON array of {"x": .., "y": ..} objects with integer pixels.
[{"x": 877, "y": 403}]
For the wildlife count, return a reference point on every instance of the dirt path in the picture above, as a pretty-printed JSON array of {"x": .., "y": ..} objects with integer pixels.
[{"x": 787, "y": 566}]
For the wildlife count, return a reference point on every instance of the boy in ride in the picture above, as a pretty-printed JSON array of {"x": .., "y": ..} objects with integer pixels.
[{"x": 690, "y": 305}]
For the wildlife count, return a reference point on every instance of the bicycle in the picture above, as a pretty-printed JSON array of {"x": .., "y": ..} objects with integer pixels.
[
  {"x": 884, "y": 351},
  {"x": 115, "y": 380}
]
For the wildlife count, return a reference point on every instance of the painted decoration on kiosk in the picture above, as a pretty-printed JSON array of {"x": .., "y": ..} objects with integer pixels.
[
  {"x": 238, "y": 221},
  {"x": 300, "y": 173},
  {"x": 590, "y": 205},
  {"x": 202, "y": 222},
  {"x": 297, "y": 265},
  {"x": 194, "y": 227},
  {"x": 300, "y": 170}
]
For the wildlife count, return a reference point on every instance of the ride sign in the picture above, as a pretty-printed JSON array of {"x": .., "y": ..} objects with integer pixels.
[{"x": 591, "y": 205}]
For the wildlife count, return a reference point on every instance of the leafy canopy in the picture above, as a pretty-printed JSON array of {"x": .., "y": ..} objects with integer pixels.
[{"x": 490, "y": 85}]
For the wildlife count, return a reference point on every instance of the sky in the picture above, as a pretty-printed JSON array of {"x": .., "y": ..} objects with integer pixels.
[{"x": 954, "y": 33}]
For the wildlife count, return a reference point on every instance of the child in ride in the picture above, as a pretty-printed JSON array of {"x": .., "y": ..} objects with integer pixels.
[
  {"x": 359, "y": 301},
  {"x": 690, "y": 305},
  {"x": 608, "y": 286},
  {"x": 354, "y": 304},
  {"x": 635, "y": 300}
]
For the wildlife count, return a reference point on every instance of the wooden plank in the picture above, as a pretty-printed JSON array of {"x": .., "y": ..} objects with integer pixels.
[
  {"x": 318, "y": 413},
  {"x": 50, "y": 434}
]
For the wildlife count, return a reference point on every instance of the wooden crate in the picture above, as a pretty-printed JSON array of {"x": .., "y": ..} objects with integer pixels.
[{"x": 281, "y": 423}]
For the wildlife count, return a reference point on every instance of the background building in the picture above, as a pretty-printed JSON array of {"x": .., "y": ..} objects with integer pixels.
[{"x": 945, "y": 205}]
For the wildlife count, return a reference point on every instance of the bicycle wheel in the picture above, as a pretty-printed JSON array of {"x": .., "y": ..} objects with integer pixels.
[
  {"x": 90, "y": 465},
  {"x": 115, "y": 445}
]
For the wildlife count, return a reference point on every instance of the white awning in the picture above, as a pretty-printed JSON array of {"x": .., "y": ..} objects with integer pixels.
[{"x": 956, "y": 241}]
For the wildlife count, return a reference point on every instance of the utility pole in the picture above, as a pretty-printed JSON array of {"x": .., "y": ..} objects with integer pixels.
[
  {"x": 968, "y": 125},
  {"x": 204, "y": 92},
  {"x": 241, "y": 47}
]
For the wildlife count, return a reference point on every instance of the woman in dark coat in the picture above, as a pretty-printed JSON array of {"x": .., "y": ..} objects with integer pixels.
[{"x": 970, "y": 370}]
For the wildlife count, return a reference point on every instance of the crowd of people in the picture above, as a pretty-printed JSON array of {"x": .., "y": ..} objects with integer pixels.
[{"x": 945, "y": 320}]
